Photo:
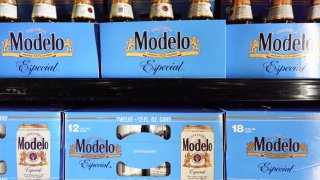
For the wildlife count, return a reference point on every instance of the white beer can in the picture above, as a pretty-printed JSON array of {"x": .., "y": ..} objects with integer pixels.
[
  {"x": 3, "y": 167},
  {"x": 126, "y": 130},
  {"x": 125, "y": 170},
  {"x": 33, "y": 152},
  {"x": 197, "y": 153},
  {"x": 3, "y": 131}
]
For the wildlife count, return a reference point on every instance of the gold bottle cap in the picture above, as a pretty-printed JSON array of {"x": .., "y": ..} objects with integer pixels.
[
  {"x": 195, "y": 127},
  {"x": 198, "y": 1},
  {"x": 83, "y": 2},
  {"x": 44, "y": 2},
  {"x": 161, "y": 1},
  {"x": 121, "y": 1},
  {"x": 315, "y": 2},
  {"x": 236, "y": 3},
  {"x": 33, "y": 126},
  {"x": 13, "y": 2},
  {"x": 281, "y": 2}
]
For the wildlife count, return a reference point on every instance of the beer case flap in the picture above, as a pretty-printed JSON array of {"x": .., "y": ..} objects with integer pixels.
[
  {"x": 140, "y": 150},
  {"x": 271, "y": 112},
  {"x": 273, "y": 144},
  {"x": 10, "y": 144},
  {"x": 273, "y": 51},
  {"x": 213, "y": 111},
  {"x": 168, "y": 49},
  {"x": 49, "y": 50}
]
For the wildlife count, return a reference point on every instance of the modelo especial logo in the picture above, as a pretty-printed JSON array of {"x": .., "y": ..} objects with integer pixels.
[
  {"x": 276, "y": 146},
  {"x": 162, "y": 42},
  {"x": 283, "y": 45},
  {"x": 36, "y": 43},
  {"x": 94, "y": 148}
]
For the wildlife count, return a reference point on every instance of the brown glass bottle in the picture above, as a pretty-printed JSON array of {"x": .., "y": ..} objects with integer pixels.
[
  {"x": 200, "y": 10},
  {"x": 83, "y": 11},
  {"x": 314, "y": 11},
  {"x": 44, "y": 11},
  {"x": 8, "y": 11},
  {"x": 161, "y": 10},
  {"x": 241, "y": 12},
  {"x": 121, "y": 11},
  {"x": 280, "y": 12}
]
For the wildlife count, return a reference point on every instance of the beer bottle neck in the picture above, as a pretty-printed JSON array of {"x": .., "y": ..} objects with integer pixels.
[
  {"x": 83, "y": 2},
  {"x": 281, "y": 2},
  {"x": 44, "y": 12},
  {"x": 161, "y": 10},
  {"x": 13, "y": 2},
  {"x": 241, "y": 13},
  {"x": 280, "y": 13},
  {"x": 314, "y": 12},
  {"x": 121, "y": 11},
  {"x": 200, "y": 10},
  {"x": 83, "y": 12},
  {"x": 8, "y": 11},
  {"x": 44, "y": 2}
]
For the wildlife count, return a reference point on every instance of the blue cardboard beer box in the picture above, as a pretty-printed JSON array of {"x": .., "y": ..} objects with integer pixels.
[
  {"x": 273, "y": 51},
  {"x": 146, "y": 144},
  {"x": 273, "y": 144},
  {"x": 48, "y": 50},
  {"x": 166, "y": 49},
  {"x": 30, "y": 144}
]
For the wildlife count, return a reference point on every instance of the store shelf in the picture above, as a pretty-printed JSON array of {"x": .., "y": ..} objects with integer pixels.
[{"x": 175, "y": 92}]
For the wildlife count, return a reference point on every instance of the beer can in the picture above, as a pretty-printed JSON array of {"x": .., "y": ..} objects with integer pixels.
[
  {"x": 33, "y": 152},
  {"x": 197, "y": 153},
  {"x": 125, "y": 170},
  {"x": 3, "y": 131},
  {"x": 3, "y": 167},
  {"x": 160, "y": 130},
  {"x": 160, "y": 171},
  {"x": 126, "y": 130}
]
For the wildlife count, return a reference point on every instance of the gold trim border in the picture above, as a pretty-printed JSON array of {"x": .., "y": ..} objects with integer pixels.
[
  {"x": 34, "y": 117},
  {"x": 97, "y": 156},
  {"x": 172, "y": 118},
  {"x": 277, "y": 156}
]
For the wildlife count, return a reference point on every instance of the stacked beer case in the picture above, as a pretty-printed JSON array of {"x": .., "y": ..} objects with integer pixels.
[
  {"x": 143, "y": 144},
  {"x": 273, "y": 50},
  {"x": 30, "y": 144},
  {"x": 272, "y": 144},
  {"x": 152, "y": 143}
]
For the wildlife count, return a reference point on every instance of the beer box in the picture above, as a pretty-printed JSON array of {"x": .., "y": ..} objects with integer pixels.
[
  {"x": 49, "y": 50},
  {"x": 282, "y": 144},
  {"x": 166, "y": 49},
  {"x": 273, "y": 51},
  {"x": 30, "y": 144},
  {"x": 102, "y": 144}
]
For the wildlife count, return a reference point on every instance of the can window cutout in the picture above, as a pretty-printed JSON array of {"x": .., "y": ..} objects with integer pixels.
[
  {"x": 3, "y": 131},
  {"x": 3, "y": 167},
  {"x": 162, "y": 170},
  {"x": 126, "y": 130},
  {"x": 125, "y": 170},
  {"x": 163, "y": 131}
]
